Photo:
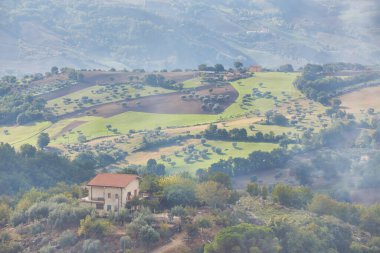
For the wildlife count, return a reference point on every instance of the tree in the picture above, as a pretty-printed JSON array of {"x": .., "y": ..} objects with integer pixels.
[
  {"x": 27, "y": 150},
  {"x": 253, "y": 189},
  {"x": 93, "y": 227},
  {"x": 179, "y": 195},
  {"x": 279, "y": 119},
  {"x": 43, "y": 140},
  {"x": 303, "y": 174},
  {"x": 238, "y": 65},
  {"x": 221, "y": 178},
  {"x": 54, "y": 70},
  {"x": 67, "y": 238},
  {"x": 148, "y": 236},
  {"x": 297, "y": 197},
  {"x": 202, "y": 67},
  {"x": 213, "y": 194},
  {"x": 286, "y": 68},
  {"x": 152, "y": 167},
  {"x": 219, "y": 68},
  {"x": 244, "y": 238}
]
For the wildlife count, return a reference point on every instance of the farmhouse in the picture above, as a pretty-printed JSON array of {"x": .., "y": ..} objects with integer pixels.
[
  {"x": 255, "y": 68},
  {"x": 111, "y": 192}
]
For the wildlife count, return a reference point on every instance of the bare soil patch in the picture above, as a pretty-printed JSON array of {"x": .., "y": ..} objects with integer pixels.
[
  {"x": 362, "y": 99},
  {"x": 65, "y": 91},
  {"x": 171, "y": 103},
  {"x": 69, "y": 127}
]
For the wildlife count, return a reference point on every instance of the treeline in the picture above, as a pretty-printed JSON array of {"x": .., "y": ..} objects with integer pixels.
[
  {"x": 20, "y": 171},
  {"x": 236, "y": 134},
  {"x": 256, "y": 161},
  {"x": 316, "y": 85},
  {"x": 16, "y": 108},
  {"x": 157, "y": 80}
]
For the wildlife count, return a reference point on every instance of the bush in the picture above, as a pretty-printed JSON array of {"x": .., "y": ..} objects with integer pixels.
[
  {"x": 65, "y": 215},
  {"x": 125, "y": 243},
  {"x": 93, "y": 227},
  {"x": 297, "y": 197},
  {"x": 40, "y": 210},
  {"x": 67, "y": 238},
  {"x": 180, "y": 195},
  {"x": 46, "y": 249},
  {"x": 5, "y": 214},
  {"x": 148, "y": 236},
  {"x": 91, "y": 246},
  {"x": 19, "y": 218},
  {"x": 11, "y": 247}
]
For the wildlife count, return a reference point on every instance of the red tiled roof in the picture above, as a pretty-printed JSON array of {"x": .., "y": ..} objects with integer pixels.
[{"x": 112, "y": 180}]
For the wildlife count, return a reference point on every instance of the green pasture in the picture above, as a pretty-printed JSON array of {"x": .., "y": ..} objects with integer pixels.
[
  {"x": 243, "y": 149},
  {"x": 18, "y": 135},
  {"x": 278, "y": 84},
  {"x": 192, "y": 83}
]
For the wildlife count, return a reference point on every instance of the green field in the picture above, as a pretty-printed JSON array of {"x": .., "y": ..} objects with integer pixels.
[
  {"x": 18, "y": 135},
  {"x": 192, "y": 83},
  {"x": 243, "y": 149},
  {"x": 273, "y": 91}
]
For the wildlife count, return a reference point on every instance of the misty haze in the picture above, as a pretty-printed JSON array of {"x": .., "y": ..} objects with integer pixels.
[{"x": 190, "y": 126}]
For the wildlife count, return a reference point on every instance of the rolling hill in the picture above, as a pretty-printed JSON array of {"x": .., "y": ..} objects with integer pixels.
[{"x": 156, "y": 34}]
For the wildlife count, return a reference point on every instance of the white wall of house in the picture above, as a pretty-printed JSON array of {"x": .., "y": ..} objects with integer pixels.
[{"x": 114, "y": 198}]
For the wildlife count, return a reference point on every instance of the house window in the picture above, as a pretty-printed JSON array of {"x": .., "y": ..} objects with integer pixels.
[
  {"x": 109, "y": 195},
  {"x": 135, "y": 193},
  {"x": 116, "y": 196},
  {"x": 99, "y": 206},
  {"x": 109, "y": 207},
  {"x": 129, "y": 196}
]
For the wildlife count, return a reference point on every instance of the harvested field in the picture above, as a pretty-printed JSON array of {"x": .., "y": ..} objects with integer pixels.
[
  {"x": 92, "y": 78},
  {"x": 65, "y": 91},
  {"x": 171, "y": 103},
  {"x": 69, "y": 127},
  {"x": 359, "y": 101}
]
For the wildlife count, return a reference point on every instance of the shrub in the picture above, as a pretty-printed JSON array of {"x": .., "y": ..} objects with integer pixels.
[
  {"x": 40, "y": 210},
  {"x": 125, "y": 243},
  {"x": 46, "y": 249},
  {"x": 5, "y": 214},
  {"x": 148, "y": 236},
  {"x": 297, "y": 197},
  {"x": 65, "y": 215},
  {"x": 67, "y": 238},
  {"x": 91, "y": 246},
  {"x": 92, "y": 227},
  {"x": 19, "y": 218}
]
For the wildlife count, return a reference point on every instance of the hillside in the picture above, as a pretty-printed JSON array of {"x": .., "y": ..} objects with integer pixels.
[
  {"x": 157, "y": 34},
  {"x": 266, "y": 161}
]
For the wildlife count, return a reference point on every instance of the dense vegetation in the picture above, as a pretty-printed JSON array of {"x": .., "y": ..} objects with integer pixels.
[
  {"x": 318, "y": 82},
  {"x": 19, "y": 171},
  {"x": 16, "y": 108},
  {"x": 282, "y": 219},
  {"x": 236, "y": 134}
]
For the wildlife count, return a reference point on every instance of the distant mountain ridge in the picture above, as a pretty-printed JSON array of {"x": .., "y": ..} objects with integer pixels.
[{"x": 156, "y": 34}]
